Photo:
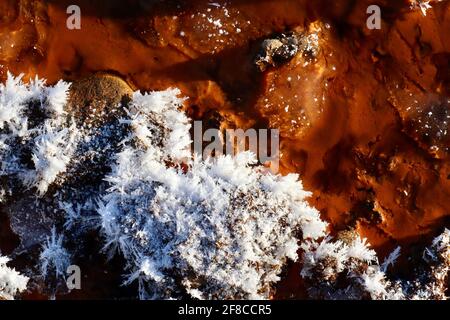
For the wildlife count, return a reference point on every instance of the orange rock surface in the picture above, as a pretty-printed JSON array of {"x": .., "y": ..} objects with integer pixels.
[{"x": 365, "y": 124}]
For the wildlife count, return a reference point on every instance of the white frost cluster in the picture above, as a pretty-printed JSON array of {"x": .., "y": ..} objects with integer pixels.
[
  {"x": 350, "y": 270},
  {"x": 218, "y": 229},
  {"x": 423, "y": 5},
  {"x": 54, "y": 258},
  {"x": 158, "y": 125},
  {"x": 36, "y": 142},
  {"x": 11, "y": 282},
  {"x": 437, "y": 256},
  {"x": 329, "y": 258}
]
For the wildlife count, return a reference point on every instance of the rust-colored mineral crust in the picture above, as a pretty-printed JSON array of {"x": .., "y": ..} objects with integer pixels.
[{"x": 364, "y": 115}]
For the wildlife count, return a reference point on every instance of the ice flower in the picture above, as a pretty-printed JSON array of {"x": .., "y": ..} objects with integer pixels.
[{"x": 11, "y": 281}]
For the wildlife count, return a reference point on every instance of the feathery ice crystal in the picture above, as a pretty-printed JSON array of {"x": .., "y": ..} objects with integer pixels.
[
  {"x": 350, "y": 270},
  {"x": 11, "y": 282},
  {"x": 423, "y": 5},
  {"x": 224, "y": 228},
  {"x": 218, "y": 229},
  {"x": 54, "y": 257},
  {"x": 54, "y": 261},
  {"x": 36, "y": 135}
]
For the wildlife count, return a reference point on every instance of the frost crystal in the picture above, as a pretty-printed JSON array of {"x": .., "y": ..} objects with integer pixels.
[
  {"x": 222, "y": 237},
  {"x": 391, "y": 259},
  {"x": 57, "y": 97},
  {"x": 339, "y": 270},
  {"x": 51, "y": 155},
  {"x": 54, "y": 257},
  {"x": 220, "y": 229},
  {"x": 11, "y": 282},
  {"x": 423, "y": 5},
  {"x": 33, "y": 127}
]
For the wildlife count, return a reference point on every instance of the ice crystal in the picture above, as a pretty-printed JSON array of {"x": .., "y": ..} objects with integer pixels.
[
  {"x": 11, "y": 282},
  {"x": 54, "y": 257},
  {"x": 222, "y": 228},
  {"x": 329, "y": 266},
  {"x": 49, "y": 142},
  {"x": 423, "y": 5}
]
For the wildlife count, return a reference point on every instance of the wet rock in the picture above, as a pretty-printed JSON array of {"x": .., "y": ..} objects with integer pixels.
[
  {"x": 295, "y": 94},
  {"x": 284, "y": 47},
  {"x": 98, "y": 97},
  {"x": 31, "y": 221},
  {"x": 429, "y": 124}
]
